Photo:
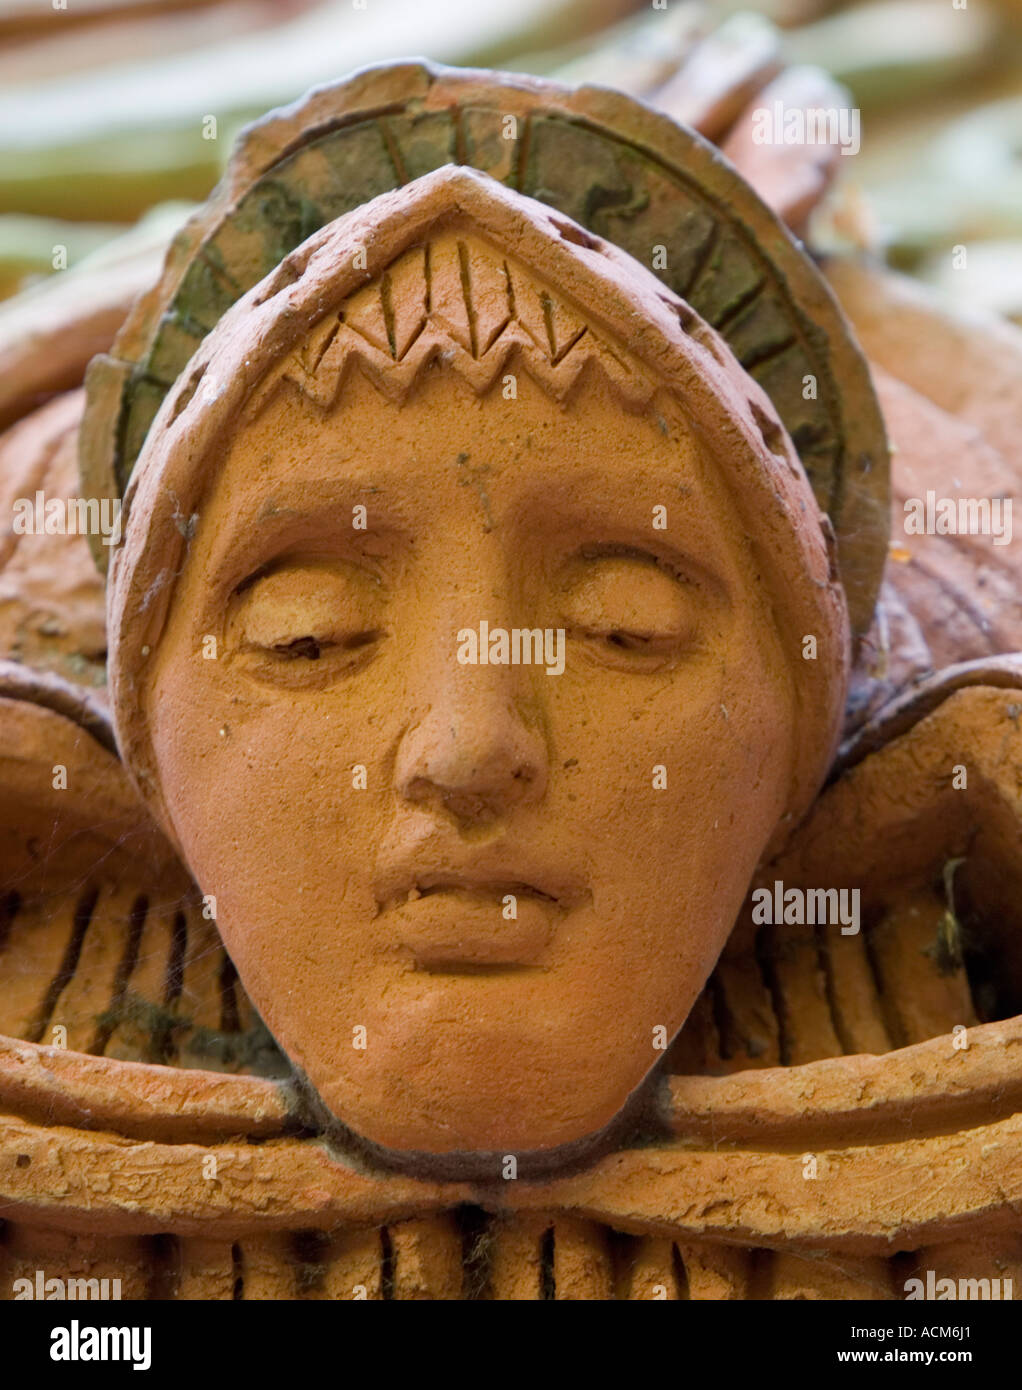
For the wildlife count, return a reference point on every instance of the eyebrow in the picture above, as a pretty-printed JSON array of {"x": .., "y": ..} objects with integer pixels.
[
  {"x": 258, "y": 535},
  {"x": 266, "y": 530}
]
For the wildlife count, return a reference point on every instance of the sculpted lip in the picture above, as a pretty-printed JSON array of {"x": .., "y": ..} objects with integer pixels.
[
  {"x": 459, "y": 921},
  {"x": 430, "y": 884},
  {"x": 437, "y": 867}
]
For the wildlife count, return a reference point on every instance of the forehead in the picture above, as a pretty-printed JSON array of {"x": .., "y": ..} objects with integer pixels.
[{"x": 534, "y": 460}]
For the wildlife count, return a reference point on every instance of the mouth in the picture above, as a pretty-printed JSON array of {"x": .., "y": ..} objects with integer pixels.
[
  {"x": 470, "y": 924},
  {"x": 431, "y": 884}
]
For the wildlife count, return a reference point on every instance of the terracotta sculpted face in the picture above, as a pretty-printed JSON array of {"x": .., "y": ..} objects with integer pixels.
[{"x": 467, "y": 897}]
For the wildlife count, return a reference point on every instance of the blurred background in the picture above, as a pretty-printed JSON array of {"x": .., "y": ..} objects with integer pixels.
[{"x": 117, "y": 115}]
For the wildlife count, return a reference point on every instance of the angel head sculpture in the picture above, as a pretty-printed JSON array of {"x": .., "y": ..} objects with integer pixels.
[{"x": 468, "y": 887}]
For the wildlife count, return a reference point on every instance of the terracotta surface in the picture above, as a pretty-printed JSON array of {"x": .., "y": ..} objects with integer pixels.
[
  {"x": 468, "y": 793},
  {"x": 52, "y": 600},
  {"x": 623, "y": 171},
  {"x": 130, "y": 1145},
  {"x": 880, "y": 1126},
  {"x": 104, "y": 945}
]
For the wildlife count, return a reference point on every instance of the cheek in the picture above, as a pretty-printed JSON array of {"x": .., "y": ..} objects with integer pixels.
[
  {"x": 669, "y": 806},
  {"x": 672, "y": 778},
  {"x": 265, "y": 789}
]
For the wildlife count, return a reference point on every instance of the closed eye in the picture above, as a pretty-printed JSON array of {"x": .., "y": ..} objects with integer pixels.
[
  {"x": 628, "y": 604},
  {"x": 634, "y": 641},
  {"x": 312, "y": 648},
  {"x": 315, "y": 616}
]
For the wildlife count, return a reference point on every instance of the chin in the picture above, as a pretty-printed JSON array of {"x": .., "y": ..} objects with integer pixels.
[{"x": 485, "y": 1162}]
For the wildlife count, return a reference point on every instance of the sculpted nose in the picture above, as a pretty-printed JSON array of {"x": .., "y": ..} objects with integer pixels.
[{"x": 472, "y": 754}]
